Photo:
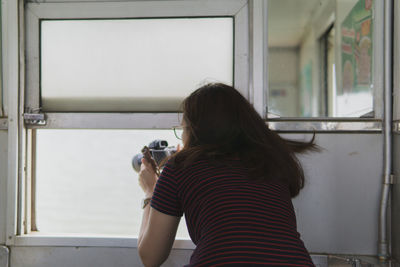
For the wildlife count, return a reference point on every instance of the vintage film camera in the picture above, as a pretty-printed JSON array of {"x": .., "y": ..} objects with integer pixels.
[{"x": 157, "y": 149}]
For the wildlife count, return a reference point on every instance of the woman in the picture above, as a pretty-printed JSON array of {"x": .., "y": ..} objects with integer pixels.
[{"x": 233, "y": 180}]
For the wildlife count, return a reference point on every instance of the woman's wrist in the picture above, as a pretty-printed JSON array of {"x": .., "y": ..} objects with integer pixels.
[{"x": 148, "y": 195}]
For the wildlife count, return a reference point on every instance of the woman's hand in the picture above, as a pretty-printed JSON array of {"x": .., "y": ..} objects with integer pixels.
[{"x": 147, "y": 178}]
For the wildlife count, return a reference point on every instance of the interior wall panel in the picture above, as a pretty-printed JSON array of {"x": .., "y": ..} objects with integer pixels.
[
  {"x": 84, "y": 256},
  {"x": 337, "y": 212}
]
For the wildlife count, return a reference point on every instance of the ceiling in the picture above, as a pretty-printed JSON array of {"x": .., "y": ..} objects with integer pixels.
[{"x": 288, "y": 19}]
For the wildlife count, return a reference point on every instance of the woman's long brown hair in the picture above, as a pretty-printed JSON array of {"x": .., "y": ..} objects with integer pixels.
[{"x": 221, "y": 124}]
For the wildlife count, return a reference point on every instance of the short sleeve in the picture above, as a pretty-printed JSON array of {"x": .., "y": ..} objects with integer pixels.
[{"x": 165, "y": 197}]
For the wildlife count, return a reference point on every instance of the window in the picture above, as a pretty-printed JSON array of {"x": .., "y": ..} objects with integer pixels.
[
  {"x": 131, "y": 64},
  {"x": 320, "y": 70},
  {"x": 85, "y": 183},
  {"x": 108, "y": 77}
]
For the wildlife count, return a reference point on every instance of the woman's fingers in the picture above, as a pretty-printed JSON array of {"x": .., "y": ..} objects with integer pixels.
[
  {"x": 147, "y": 177},
  {"x": 146, "y": 165}
]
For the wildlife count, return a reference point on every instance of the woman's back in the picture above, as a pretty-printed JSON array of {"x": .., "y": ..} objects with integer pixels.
[
  {"x": 238, "y": 212},
  {"x": 232, "y": 220}
]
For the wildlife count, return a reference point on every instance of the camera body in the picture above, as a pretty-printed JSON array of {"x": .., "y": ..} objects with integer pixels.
[{"x": 158, "y": 149}]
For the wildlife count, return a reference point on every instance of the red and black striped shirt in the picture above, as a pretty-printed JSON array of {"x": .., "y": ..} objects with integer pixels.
[{"x": 233, "y": 221}]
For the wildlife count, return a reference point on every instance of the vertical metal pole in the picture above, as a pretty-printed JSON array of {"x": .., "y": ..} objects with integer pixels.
[{"x": 383, "y": 249}]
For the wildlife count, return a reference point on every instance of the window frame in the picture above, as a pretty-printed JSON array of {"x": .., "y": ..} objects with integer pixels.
[
  {"x": 250, "y": 77},
  {"x": 1, "y": 68},
  {"x": 25, "y": 39},
  {"x": 396, "y": 68},
  {"x": 323, "y": 19},
  {"x": 35, "y": 12}
]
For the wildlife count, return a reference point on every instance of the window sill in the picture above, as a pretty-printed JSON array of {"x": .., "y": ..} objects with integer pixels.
[
  {"x": 326, "y": 125},
  {"x": 66, "y": 240}
]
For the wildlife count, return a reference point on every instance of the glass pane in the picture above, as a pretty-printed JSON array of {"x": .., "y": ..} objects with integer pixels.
[
  {"x": 86, "y": 183},
  {"x": 131, "y": 64},
  {"x": 320, "y": 58}
]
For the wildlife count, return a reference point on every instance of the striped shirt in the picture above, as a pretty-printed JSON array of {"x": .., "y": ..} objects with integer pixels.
[{"x": 232, "y": 220}]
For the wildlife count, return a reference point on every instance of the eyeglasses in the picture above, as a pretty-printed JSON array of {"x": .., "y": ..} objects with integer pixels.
[{"x": 179, "y": 128}]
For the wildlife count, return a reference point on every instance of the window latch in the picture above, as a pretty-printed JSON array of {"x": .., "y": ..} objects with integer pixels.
[
  {"x": 35, "y": 119},
  {"x": 396, "y": 127}
]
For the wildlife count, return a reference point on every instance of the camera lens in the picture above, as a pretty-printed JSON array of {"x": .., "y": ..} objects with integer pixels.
[
  {"x": 163, "y": 144},
  {"x": 137, "y": 161}
]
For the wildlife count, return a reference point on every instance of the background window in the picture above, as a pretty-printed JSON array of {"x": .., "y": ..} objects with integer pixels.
[
  {"x": 131, "y": 64},
  {"x": 316, "y": 70},
  {"x": 86, "y": 184}
]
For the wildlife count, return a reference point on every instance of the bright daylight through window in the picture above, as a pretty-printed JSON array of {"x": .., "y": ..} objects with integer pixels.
[
  {"x": 131, "y": 64},
  {"x": 86, "y": 183}
]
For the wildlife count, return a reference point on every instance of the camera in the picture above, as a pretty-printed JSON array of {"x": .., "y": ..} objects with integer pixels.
[{"x": 158, "y": 149}]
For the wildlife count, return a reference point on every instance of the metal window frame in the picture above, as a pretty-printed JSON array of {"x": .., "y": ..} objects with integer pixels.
[
  {"x": 396, "y": 65},
  {"x": 20, "y": 208},
  {"x": 377, "y": 67},
  {"x": 137, "y": 9},
  {"x": 250, "y": 78},
  {"x": 11, "y": 83},
  {"x": 1, "y": 68}
]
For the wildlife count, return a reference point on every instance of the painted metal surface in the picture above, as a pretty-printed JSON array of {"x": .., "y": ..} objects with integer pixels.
[
  {"x": 167, "y": 120},
  {"x": 132, "y": 9},
  {"x": 3, "y": 184},
  {"x": 337, "y": 211},
  {"x": 384, "y": 243},
  {"x": 258, "y": 55},
  {"x": 3, "y": 123},
  {"x": 102, "y": 257},
  {"x": 326, "y": 125},
  {"x": 11, "y": 69},
  {"x": 84, "y": 256},
  {"x": 395, "y": 237},
  {"x": 82, "y": 240},
  {"x": 396, "y": 62},
  {"x": 396, "y": 199},
  {"x": 396, "y": 127},
  {"x": 110, "y": 121},
  {"x": 4, "y": 256}
]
